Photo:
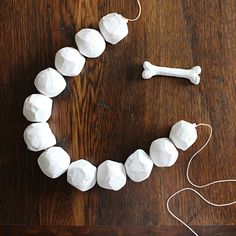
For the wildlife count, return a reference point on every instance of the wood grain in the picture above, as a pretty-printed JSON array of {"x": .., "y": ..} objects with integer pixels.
[
  {"x": 17, "y": 230},
  {"x": 108, "y": 111}
]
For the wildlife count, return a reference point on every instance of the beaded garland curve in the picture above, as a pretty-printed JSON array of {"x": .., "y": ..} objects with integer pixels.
[
  {"x": 55, "y": 161},
  {"x": 112, "y": 175}
]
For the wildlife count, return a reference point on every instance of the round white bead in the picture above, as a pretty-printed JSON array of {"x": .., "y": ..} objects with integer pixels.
[
  {"x": 49, "y": 82},
  {"x": 183, "y": 134},
  {"x": 113, "y": 27},
  {"x": 82, "y": 175},
  {"x": 54, "y": 162},
  {"x": 69, "y": 62},
  {"x": 90, "y": 42},
  {"x": 37, "y": 108},
  {"x": 38, "y": 136},
  {"x": 111, "y": 175},
  {"x": 138, "y": 166},
  {"x": 163, "y": 152}
]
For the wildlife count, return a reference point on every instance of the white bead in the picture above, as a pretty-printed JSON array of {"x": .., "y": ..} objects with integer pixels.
[
  {"x": 163, "y": 152},
  {"x": 69, "y": 62},
  {"x": 113, "y": 27},
  {"x": 49, "y": 82},
  {"x": 90, "y": 42},
  {"x": 54, "y": 162},
  {"x": 138, "y": 166},
  {"x": 82, "y": 175},
  {"x": 37, "y": 108},
  {"x": 38, "y": 136},
  {"x": 183, "y": 134},
  {"x": 111, "y": 175}
]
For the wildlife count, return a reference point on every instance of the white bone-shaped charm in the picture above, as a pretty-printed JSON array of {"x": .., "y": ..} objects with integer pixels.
[{"x": 190, "y": 74}]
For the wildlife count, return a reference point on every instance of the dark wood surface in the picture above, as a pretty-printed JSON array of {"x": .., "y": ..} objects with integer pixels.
[
  {"x": 17, "y": 230},
  {"x": 108, "y": 111}
]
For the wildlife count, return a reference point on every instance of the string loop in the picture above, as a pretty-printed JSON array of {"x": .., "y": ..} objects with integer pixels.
[
  {"x": 139, "y": 12},
  {"x": 198, "y": 186}
]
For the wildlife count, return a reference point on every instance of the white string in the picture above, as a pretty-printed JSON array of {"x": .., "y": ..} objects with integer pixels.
[
  {"x": 188, "y": 167},
  {"x": 198, "y": 186},
  {"x": 139, "y": 12},
  {"x": 203, "y": 198}
]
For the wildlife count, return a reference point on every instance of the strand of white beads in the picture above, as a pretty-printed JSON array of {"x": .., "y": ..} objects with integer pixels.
[
  {"x": 112, "y": 175},
  {"x": 81, "y": 174},
  {"x": 54, "y": 161}
]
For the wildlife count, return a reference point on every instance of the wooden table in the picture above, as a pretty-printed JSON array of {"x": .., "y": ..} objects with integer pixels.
[{"x": 108, "y": 111}]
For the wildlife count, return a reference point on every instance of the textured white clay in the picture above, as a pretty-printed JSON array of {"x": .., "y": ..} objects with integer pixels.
[
  {"x": 183, "y": 134},
  {"x": 38, "y": 136},
  {"x": 69, "y": 62},
  {"x": 190, "y": 74},
  {"x": 111, "y": 175},
  {"x": 113, "y": 27},
  {"x": 82, "y": 175},
  {"x": 54, "y": 162},
  {"x": 138, "y": 166},
  {"x": 37, "y": 108},
  {"x": 163, "y": 152},
  {"x": 49, "y": 82},
  {"x": 90, "y": 42}
]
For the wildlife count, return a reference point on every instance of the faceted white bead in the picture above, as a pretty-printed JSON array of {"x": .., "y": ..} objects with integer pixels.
[
  {"x": 69, "y": 62},
  {"x": 49, "y": 82},
  {"x": 38, "y": 136},
  {"x": 37, "y": 108},
  {"x": 183, "y": 134},
  {"x": 138, "y": 166},
  {"x": 90, "y": 42},
  {"x": 54, "y": 162},
  {"x": 82, "y": 175},
  {"x": 113, "y": 27},
  {"x": 111, "y": 175},
  {"x": 163, "y": 152}
]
